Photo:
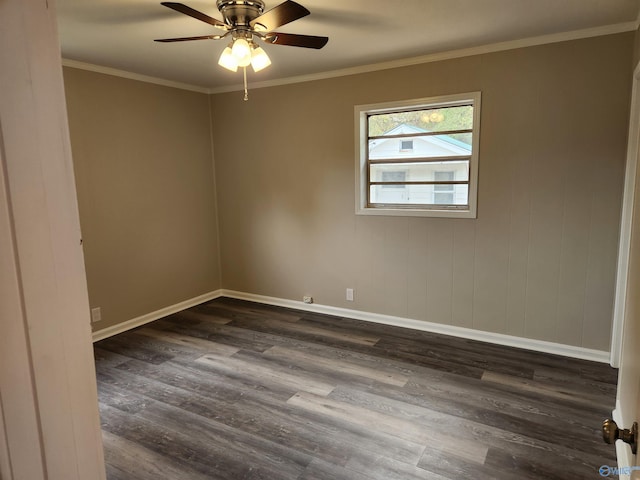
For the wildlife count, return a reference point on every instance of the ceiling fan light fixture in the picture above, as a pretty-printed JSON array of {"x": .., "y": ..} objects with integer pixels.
[
  {"x": 241, "y": 50},
  {"x": 228, "y": 60},
  {"x": 244, "y": 20},
  {"x": 259, "y": 59}
]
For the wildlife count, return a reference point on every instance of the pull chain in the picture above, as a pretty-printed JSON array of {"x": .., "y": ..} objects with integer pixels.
[{"x": 246, "y": 91}]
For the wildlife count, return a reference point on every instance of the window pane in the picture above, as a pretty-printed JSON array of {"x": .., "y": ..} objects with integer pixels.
[
  {"x": 419, "y": 195},
  {"x": 428, "y": 120},
  {"x": 406, "y": 145},
  {"x": 393, "y": 176},
  {"x": 420, "y": 147},
  {"x": 443, "y": 198},
  {"x": 420, "y": 172},
  {"x": 445, "y": 176}
]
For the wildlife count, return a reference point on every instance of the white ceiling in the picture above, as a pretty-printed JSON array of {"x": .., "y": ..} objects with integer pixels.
[{"x": 119, "y": 33}]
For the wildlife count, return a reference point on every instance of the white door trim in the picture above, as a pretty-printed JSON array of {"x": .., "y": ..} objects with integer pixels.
[
  {"x": 51, "y": 424},
  {"x": 625, "y": 223}
]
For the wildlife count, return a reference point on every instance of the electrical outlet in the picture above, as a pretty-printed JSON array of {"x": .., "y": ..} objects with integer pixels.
[
  {"x": 307, "y": 299},
  {"x": 96, "y": 315},
  {"x": 350, "y": 294}
]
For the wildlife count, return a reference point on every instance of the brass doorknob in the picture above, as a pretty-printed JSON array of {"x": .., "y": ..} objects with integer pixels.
[{"x": 611, "y": 433}]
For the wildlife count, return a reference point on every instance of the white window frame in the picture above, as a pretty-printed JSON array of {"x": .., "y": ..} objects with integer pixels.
[{"x": 362, "y": 112}]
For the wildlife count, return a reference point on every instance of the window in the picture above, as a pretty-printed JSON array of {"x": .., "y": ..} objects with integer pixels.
[
  {"x": 418, "y": 157},
  {"x": 443, "y": 193},
  {"x": 394, "y": 189},
  {"x": 394, "y": 179},
  {"x": 406, "y": 145}
]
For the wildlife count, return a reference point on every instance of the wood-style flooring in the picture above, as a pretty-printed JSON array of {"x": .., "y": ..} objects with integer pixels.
[{"x": 235, "y": 390}]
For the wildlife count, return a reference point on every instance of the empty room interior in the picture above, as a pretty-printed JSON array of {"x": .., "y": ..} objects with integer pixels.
[{"x": 407, "y": 250}]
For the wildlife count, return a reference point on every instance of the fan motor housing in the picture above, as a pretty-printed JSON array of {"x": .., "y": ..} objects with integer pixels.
[{"x": 240, "y": 12}]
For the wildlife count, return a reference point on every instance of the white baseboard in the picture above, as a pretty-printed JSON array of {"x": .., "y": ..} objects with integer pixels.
[
  {"x": 158, "y": 314},
  {"x": 489, "y": 337}
]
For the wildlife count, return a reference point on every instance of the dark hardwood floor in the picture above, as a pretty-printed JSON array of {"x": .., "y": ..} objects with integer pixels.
[{"x": 236, "y": 390}]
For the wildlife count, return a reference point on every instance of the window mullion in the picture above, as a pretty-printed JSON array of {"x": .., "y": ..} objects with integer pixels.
[
  {"x": 421, "y": 134},
  {"x": 424, "y": 182},
  {"x": 392, "y": 161}
]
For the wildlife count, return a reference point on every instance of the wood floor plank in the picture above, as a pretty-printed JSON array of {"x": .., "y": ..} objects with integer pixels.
[
  {"x": 440, "y": 463},
  {"x": 577, "y": 368},
  {"x": 199, "y": 379},
  {"x": 468, "y": 394},
  {"x": 434, "y": 427},
  {"x": 197, "y": 344},
  {"x": 361, "y": 357},
  {"x": 105, "y": 358},
  {"x": 180, "y": 451},
  {"x": 445, "y": 353},
  {"x": 260, "y": 373},
  {"x": 400, "y": 428},
  {"x": 437, "y": 364},
  {"x": 120, "y": 399},
  {"x": 125, "y": 456},
  {"x": 389, "y": 468},
  {"x": 552, "y": 466},
  {"x": 215, "y": 438},
  {"x": 321, "y": 470},
  {"x": 307, "y": 331},
  {"x": 330, "y": 441},
  {"x": 235, "y": 337},
  {"x": 556, "y": 378},
  {"x": 492, "y": 427},
  {"x": 562, "y": 392},
  {"x": 336, "y": 365},
  {"x": 450, "y": 422},
  {"x": 196, "y": 316},
  {"x": 236, "y": 390},
  {"x": 232, "y": 309},
  {"x": 274, "y": 459},
  {"x": 130, "y": 348}
]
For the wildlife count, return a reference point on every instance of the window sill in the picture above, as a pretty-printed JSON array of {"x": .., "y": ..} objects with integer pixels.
[{"x": 416, "y": 212}]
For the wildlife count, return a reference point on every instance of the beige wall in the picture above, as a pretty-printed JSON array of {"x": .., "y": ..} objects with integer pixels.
[
  {"x": 636, "y": 48},
  {"x": 143, "y": 165},
  {"x": 539, "y": 262}
]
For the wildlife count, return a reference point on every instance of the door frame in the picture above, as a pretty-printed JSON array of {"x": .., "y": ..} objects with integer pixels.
[
  {"x": 49, "y": 424},
  {"x": 622, "y": 274}
]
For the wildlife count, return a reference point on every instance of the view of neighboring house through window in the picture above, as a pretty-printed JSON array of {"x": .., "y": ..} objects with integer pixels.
[
  {"x": 419, "y": 157},
  {"x": 444, "y": 193},
  {"x": 394, "y": 185}
]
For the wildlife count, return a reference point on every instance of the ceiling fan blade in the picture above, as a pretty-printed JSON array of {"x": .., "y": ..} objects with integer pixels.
[
  {"x": 280, "y": 15},
  {"x": 185, "y": 39},
  {"x": 179, "y": 7},
  {"x": 306, "y": 41}
]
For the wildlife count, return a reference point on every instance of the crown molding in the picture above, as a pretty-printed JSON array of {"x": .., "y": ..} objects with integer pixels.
[
  {"x": 437, "y": 57},
  {"x": 405, "y": 62},
  {"x": 133, "y": 76}
]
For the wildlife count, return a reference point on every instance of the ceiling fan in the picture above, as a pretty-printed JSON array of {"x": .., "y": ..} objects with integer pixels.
[{"x": 245, "y": 21}]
